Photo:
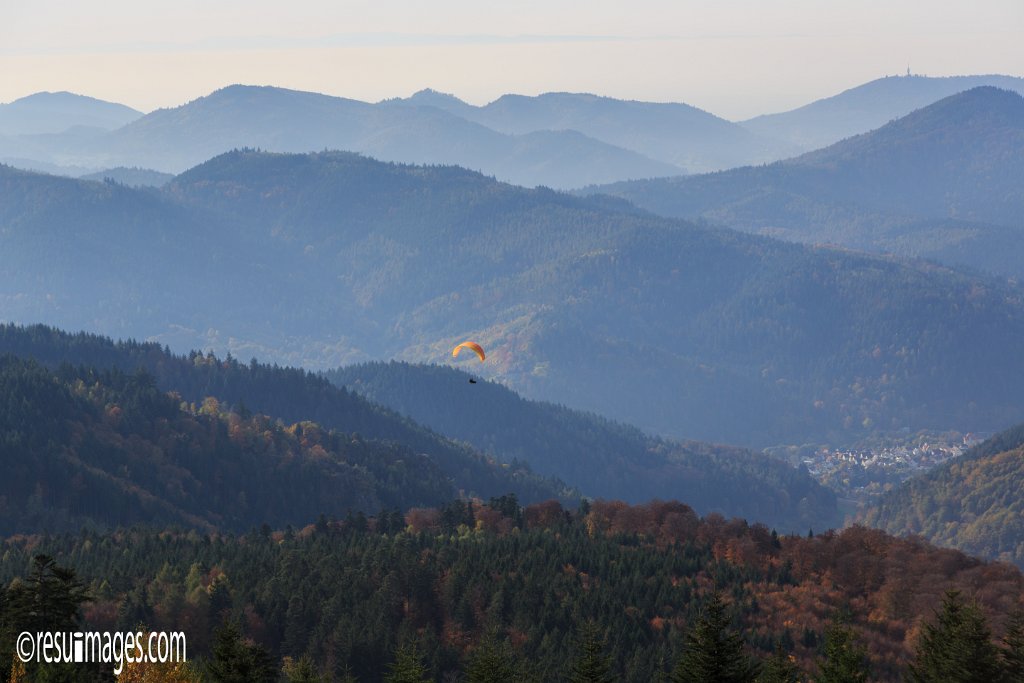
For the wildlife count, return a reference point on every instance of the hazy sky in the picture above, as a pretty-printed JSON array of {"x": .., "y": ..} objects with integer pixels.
[{"x": 735, "y": 58}]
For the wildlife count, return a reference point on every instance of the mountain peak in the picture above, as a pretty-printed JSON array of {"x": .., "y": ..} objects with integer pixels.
[{"x": 433, "y": 97}]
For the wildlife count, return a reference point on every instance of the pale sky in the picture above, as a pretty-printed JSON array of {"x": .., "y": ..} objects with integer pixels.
[{"x": 734, "y": 58}]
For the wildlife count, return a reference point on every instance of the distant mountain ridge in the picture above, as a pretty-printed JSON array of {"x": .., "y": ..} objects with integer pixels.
[
  {"x": 943, "y": 182},
  {"x": 281, "y": 120},
  {"x": 866, "y": 107},
  {"x": 56, "y": 112},
  {"x": 676, "y": 133}
]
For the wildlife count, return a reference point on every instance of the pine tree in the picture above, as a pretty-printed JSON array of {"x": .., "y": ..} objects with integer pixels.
[
  {"x": 301, "y": 671},
  {"x": 1012, "y": 655},
  {"x": 779, "y": 668},
  {"x": 713, "y": 652},
  {"x": 957, "y": 648},
  {"x": 407, "y": 668},
  {"x": 844, "y": 659},
  {"x": 592, "y": 663},
  {"x": 492, "y": 662},
  {"x": 235, "y": 661}
]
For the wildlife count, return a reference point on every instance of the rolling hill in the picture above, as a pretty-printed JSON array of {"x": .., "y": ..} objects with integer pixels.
[
  {"x": 328, "y": 259},
  {"x": 942, "y": 183},
  {"x": 971, "y": 503},
  {"x": 288, "y": 394},
  {"x": 866, "y": 107}
]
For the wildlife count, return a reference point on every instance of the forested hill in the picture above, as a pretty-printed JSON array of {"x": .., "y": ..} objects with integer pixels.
[
  {"x": 287, "y": 394},
  {"x": 942, "y": 182},
  {"x": 597, "y": 457},
  {"x": 603, "y": 458},
  {"x": 328, "y": 259},
  {"x": 972, "y": 503},
  {"x": 81, "y": 448},
  {"x": 493, "y": 585}
]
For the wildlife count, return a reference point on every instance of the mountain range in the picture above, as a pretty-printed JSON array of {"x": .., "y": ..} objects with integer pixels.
[
  {"x": 562, "y": 140},
  {"x": 675, "y": 133},
  {"x": 942, "y": 183},
  {"x": 280, "y": 120},
  {"x": 328, "y": 259}
]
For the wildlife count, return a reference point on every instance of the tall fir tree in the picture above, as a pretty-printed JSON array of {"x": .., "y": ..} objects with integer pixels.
[
  {"x": 713, "y": 652},
  {"x": 844, "y": 659},
  {"x": 957, "y": 647},
  {"x": 492, "y": 661},
  {"x": 301, "y": 671},
  {"x": 235, "y": 661},
  {"x": 1012, "y": 655},
  {"x": 779, "y": 667},
  {"x": 407, "y": 667},
  {"x": 592, "y": 663}
]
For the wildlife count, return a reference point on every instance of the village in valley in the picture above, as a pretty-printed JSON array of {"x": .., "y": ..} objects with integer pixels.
[{"x": 863, "y": 471}]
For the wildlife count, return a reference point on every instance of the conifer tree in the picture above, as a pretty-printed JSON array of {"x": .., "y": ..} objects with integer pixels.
[
  {"x": 1012, "y": 655},
  {"x": 713, "y": 652},
  {"x": 957, "y": 647},
  {"x": 235, "y": 661},
  {"x": 844, "y": 659},
  {"x": 492, "y": 662},
  {"x": 592, "y": 663},
  {"x": 408, "y": 667},
  {"x": 301, "y": 671},
  {"x": 779, "y": 667}
]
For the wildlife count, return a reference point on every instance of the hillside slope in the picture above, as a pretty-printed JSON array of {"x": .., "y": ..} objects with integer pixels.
[
  {"x": 288, "y": 394},
  {"x": 106, "y": 449},
  {"x": 603, "y": 458},
  {"x": 972, "y": 503}
]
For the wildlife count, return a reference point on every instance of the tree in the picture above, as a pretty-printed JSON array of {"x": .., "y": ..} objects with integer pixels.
[
  {"x": 301, "y": 671},
  {"x": 49, "y": 599},
  {"x": 844, "y": 659},
  {"x": 779, "y": 667},
  {"x": 957, "y": 647},
  {"x": 1013, "y": 649},
  {"x": 713, "y": 652},
  {"x": 235, "y": 661},
  {"x": 408, "y": 667},
  {"x": 592, "y": 664},
  {"x": 492, "y": 662}
]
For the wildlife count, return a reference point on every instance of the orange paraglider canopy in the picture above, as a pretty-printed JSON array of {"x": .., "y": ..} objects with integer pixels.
[{"x": 472, "y": 346}]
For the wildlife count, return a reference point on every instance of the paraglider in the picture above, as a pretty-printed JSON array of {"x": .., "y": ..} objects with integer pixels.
[{"x": 472, "y": 346}]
